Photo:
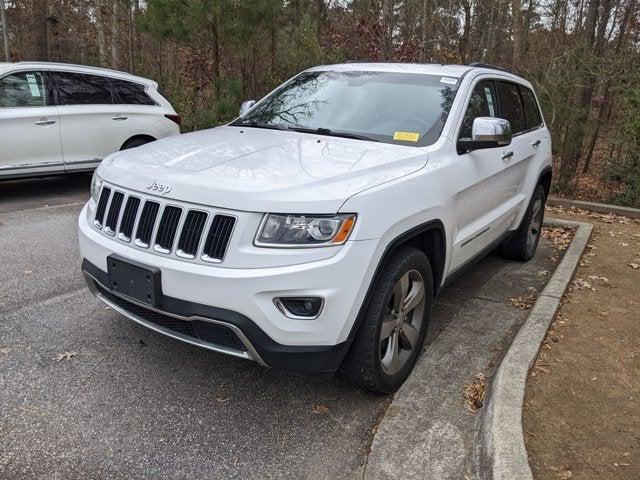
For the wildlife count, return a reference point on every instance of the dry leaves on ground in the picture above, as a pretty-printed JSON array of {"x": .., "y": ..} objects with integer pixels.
[
  {"x": 320, "y": 408},
  {"x": 560, "y": 236},
  {"x": 65, "y": 356},
  {"x": 581, "y": 284},
  {"x": 474, "y": 392},
  {"x": 523, "y": 303},
  {"x": 635, "y": 266},
  {"x": 603, "y": 217}
]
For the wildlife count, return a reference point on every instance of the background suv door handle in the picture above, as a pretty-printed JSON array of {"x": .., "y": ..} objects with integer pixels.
[
  {"x": 45, "y": 122},
  {"x": 119, "y": 117},
  {"x": 507, "y": 155},
  {"x": 536, "y": 143}
]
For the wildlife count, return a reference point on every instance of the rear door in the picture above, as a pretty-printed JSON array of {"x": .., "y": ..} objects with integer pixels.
[
  {"x": 92, "y": 124},
  {"x": 520, "y": 153},
  {"x": 29, "y": 125}
]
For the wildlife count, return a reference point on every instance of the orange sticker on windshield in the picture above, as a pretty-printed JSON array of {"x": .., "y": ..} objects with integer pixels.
[{"x": 406, "y": 136}]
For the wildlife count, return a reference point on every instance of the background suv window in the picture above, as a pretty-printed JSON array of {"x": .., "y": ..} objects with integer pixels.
[
  {"x": 511, "y": 107},
  {"x": 82, "y": 89},
  {"x": 23, "y": 89},
  {"x": 531, "y": 111},
  {"x": 481, "y": 104},
  {"x": 130, "y": 93}
]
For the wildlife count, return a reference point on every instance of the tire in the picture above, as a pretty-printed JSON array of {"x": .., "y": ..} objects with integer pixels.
[
  {"x": 370, "y": 362},
  {"x": 136, "y": 142},
  {"x": 522, "y": 246}
]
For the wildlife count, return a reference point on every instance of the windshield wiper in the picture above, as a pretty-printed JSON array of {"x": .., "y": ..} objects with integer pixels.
[
  {"x": 332, "y": 133},
  {"x": 254, "y": 124}
]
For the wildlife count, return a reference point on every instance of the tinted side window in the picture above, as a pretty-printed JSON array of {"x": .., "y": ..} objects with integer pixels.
[
  {"x": 23, "y": 89},
  {"x": 531, "y": 110},
  {"x": 82, "y": 89},
  {"x": 130, "y": 93},
  {"x": 481, "y": 104},
  {"x": 511, "y": 106}
]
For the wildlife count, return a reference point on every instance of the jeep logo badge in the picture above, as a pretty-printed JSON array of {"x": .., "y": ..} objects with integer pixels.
[{"x": 160, "y": 187}]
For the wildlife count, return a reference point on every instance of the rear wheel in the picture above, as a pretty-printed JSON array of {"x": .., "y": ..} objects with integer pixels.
[
  {"x": 522, "y": 246},
  {"x": 394, "y": 326},
  {"x": 136, "y": 142}
]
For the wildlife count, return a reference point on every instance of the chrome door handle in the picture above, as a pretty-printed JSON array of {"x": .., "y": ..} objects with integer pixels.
[
  {"x": 45, "y": 122},
  {"x": 119, "y": 117},
  {"x": 507, "y": 155},
  {"x": 536, "y": 143}
]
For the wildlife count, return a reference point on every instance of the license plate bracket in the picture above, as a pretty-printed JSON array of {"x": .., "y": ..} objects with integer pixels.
[{"x": 134, "y": 280}]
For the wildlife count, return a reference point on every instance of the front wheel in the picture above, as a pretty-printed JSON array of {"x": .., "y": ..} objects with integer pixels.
[
  {"x": 394, "y": 325},
  {"x": 522, "y": 246}
]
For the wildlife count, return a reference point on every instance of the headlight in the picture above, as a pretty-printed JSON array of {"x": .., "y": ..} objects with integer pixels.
[
  {"x": 304, "y": 230},
  {"x": 96, "y": 184}
]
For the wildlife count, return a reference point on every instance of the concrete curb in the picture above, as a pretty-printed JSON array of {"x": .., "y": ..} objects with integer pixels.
[
  {"x": 503, "y": 455},
  {"x": 594, "y": 207}
]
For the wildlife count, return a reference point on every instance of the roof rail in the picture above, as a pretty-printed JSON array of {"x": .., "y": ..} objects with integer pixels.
[{"x": 487, "y": 65}]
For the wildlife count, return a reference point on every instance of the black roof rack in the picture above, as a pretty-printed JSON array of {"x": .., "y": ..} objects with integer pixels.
[{"x": 487, "y": 65}]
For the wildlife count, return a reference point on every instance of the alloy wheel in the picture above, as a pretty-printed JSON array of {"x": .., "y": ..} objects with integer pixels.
[{"x": 402, "y": 322}]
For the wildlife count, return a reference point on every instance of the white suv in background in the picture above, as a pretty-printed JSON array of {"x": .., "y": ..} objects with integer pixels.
[
  {"x": 57, "y": 118},
  {"x": 313, "y": 232}
]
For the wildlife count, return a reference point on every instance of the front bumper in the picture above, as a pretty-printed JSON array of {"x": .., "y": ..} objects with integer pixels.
[{"x": 241, "y": 300}]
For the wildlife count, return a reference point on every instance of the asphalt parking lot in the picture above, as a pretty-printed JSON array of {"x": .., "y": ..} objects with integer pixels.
[{"x": 125, "y": 402}]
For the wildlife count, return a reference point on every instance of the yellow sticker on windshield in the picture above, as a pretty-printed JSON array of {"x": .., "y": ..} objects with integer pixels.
[{"x": 406, "y": 136}]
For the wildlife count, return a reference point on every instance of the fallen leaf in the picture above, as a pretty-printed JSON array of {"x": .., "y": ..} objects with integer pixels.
[
  {"x": 474, "y": 392},
  {"x": 635, "y": 266},
  {"x": 524, "y": 302},
  {"x": 65, "y": 356},
  {"x": 320, "y": 408}
]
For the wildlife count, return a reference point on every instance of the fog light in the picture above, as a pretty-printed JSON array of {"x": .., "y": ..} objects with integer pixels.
[{"x": 299, "y": 307}]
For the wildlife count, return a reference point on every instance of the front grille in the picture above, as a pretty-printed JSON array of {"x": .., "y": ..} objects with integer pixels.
[
  {"x": 146, "y": 223},
  {"x": 102, "y": 206},
  {"x": 191, "y": 233},
  {"x": 114, "y": 213},
  {"x": 167, "y": 229},
  {"x": 218, "y": 238},
  {"x": 207, "y": 332},
  {"x": 128, "y": 219},
  {"x": 203, "y": 235}
]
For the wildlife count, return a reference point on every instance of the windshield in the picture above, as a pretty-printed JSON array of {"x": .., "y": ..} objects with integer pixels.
[{"x": 398, "y": 108}]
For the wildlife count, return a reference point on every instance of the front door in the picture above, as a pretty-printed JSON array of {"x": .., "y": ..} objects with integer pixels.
[{"x": 29, "y": 126}]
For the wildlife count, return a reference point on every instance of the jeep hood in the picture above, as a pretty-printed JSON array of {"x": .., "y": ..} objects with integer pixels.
[{"x": 261, "y": 170}]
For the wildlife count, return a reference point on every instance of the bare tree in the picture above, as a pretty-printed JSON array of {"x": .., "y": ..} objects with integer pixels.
[{"x": 5, "y": 32}]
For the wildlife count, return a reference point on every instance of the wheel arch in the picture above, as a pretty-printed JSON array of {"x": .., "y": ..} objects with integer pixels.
[
  {"x": 430, "y": 238},
  {"x": 544, "y": 179},
  {"x": 148, "y": 138}
]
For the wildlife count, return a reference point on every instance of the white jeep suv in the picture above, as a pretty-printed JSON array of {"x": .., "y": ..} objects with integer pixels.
[
  {"x": 57, "y": 118},
  {"x": 313, "y": 232}
]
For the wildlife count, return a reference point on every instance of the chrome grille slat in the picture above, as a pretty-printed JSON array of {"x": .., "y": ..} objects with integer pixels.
[
  {"x": 146, "y": 223},
  {"x": 125, "y": 230},
  {"x": 102, "y": 206},
  {"x": 167, "y": 229},
  {"x": 191, "y": 234},
  {"x": 218, "y": 238},
  {"x": 114, "y": 213},
  {"x": 187, "y": 231}
]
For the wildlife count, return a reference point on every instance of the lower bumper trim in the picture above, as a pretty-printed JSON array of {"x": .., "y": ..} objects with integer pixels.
[{"x": 313, "y": 361}]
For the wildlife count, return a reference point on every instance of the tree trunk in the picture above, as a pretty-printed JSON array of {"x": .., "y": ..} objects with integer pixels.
[
  {"x": 518, "y": 33},
  {"x": 49, "y": 39},
  {"x": 100, "y": 33},
  {"x": 574, "y": 140},
  {"x": 5, "y": 32},
  {"x": 114, "y": 35}
]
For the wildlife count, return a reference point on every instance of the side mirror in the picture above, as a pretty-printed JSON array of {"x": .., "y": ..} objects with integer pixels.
[
  {"x": 246, "y": 106},
  {"x": 486, "y": 132}
]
